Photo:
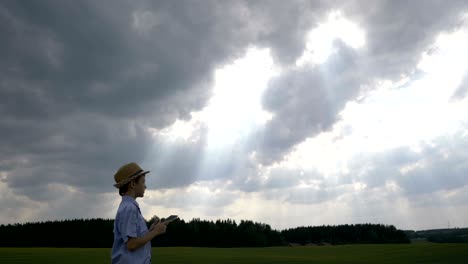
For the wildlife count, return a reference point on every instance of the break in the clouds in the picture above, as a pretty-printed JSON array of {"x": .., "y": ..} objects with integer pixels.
[{"x": 292, "y": 113}]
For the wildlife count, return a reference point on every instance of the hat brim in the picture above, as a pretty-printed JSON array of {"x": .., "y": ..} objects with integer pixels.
[{"x": 122, "y": 183}]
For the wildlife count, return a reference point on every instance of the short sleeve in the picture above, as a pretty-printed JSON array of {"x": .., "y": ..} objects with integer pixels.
[{"x": 128, "y": 222}]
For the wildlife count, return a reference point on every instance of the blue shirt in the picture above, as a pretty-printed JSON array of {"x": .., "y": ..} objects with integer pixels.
[{"x": 129, "y": 223}]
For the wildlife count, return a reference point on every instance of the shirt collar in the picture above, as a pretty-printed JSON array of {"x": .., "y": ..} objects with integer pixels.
[{"x": 130, "y": 199}]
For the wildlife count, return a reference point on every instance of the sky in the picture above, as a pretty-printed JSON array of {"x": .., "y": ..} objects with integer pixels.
[{"x": 290, "y": 113}]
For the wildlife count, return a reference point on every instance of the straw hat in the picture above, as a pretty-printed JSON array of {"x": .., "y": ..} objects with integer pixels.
[{"x": 127, "y": 173}]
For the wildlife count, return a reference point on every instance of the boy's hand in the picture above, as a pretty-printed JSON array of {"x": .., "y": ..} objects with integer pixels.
[
  {"x": 153, "y": 225},
  {"x": 158, "y": 228},
  {"x": 156, "y": 219}
]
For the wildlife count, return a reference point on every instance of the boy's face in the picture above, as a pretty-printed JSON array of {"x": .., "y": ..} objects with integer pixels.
[{"x": 139, "y": 187}]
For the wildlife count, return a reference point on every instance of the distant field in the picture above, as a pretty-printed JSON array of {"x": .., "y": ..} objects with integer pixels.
[{"x": 413, "y": 253}]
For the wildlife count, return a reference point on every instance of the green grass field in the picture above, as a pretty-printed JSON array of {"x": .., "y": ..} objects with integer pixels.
[{"x": 412, "y": 253}]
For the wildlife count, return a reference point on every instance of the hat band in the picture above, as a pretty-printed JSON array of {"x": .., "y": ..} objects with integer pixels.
[
  {"x": 131, "y": 177},
  {"x": 128, "y": 179},
  {"x": 136, "y": 173}
]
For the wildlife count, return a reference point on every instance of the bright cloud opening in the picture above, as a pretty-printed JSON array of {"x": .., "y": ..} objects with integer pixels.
[
  {"x": 180, "y": 130},
  {"x": 320, "y": 40},
  {"x": 235, "y": 109}
]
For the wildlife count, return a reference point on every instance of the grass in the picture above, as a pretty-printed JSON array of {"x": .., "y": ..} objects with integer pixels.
[{"x": 410, "y": 253}]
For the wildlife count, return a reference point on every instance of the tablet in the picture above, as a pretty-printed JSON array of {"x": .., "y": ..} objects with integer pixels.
[{"x": 170, "y": 218}]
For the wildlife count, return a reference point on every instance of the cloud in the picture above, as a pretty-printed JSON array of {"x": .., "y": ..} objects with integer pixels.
[
  {"x": 17, "y": 208},
  {"x": 80, "y": 85},
  {"x": 397, "y": 32},
  {"x": 284, "y": 25},
  {"x": 198, "y": 195},
  {"x": 88, "y": 86},
  {"x": 462, "y": 89},
  {"x": 439, "y": 165},
  {"x": 81, "y": 150},
  {"x": 54, "y": 202},
  {"x": 305, "y": 101},
  {"x": 177, "y": 163},
  {"x": 180, "y": 163}
]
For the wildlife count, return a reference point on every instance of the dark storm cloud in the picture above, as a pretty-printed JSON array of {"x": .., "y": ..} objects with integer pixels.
[
  {"x": 80, "y": 150},
  {"x": 80, "y": 81},
  {"x": 99, "y": 62},
  {"x": 284, "y": 25}
]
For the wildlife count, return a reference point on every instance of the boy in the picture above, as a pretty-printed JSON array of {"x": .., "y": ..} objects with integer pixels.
[{"x": 132, "y": 238}]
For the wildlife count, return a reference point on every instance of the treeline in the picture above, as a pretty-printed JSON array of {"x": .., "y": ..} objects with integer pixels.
[
  {"x": 453, "y": 235},
  {"x": 89, "y": 233},
  {"x": 92, "y": 233},
  {"x": 221, "y": 233},
  {"x": 346, "y": 234}
]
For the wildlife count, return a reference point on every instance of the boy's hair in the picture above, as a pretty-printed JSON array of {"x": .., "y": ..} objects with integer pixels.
[{"x": 124, "y": 189}]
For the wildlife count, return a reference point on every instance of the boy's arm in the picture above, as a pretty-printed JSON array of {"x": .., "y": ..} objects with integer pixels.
[{"x": 134, "y": 243}]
